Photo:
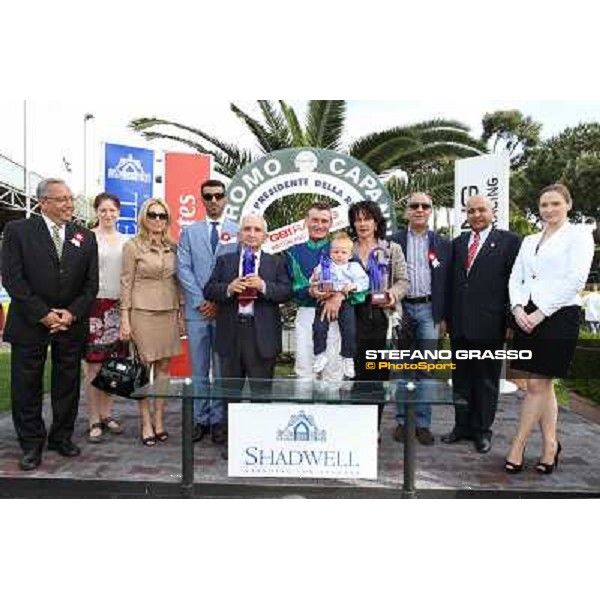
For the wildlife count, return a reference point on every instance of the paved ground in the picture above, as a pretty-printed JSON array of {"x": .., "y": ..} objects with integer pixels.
[{"x": 441, "y": 467}]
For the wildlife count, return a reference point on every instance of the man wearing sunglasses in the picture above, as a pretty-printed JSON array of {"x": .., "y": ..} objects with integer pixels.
[
  {"x": 199, "y": 246},
  {"x": 428, "y": 258}
]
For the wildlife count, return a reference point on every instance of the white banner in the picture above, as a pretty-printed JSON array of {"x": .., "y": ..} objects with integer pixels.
[
  {"x": 295, "y": 233},
  {"x": 486, "y": 175},
  {"x": 299, "y": 440}
]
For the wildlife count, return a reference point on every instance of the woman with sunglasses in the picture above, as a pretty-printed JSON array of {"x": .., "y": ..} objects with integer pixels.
[
  {"x": 103, "y": 337},
  {"x": 150, "y": 305}
]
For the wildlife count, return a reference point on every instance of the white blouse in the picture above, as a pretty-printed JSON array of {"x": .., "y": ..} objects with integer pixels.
[
  {"x": 110, "y": 258},
  {"x": 553, "y": 275}
]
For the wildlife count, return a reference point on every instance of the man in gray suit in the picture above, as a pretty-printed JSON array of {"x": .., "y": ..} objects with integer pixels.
[{"x": 199, "y": 246}]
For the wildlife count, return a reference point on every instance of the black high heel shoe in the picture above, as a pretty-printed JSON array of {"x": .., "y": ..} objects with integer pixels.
[
  {"x": 512, "y": 468},
  {"x": 545, "y": 468},
  {"x": 163, "y": 436}
]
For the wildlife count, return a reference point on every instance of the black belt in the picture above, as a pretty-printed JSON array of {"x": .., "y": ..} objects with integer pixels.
[
  {"x": 245, "y": 319},
  {"x": 418, "y": 300}
]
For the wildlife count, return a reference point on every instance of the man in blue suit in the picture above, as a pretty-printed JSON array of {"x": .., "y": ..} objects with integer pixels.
[
  {"x": 199, "y": 246},
  {"x": 428, "y": 258}
]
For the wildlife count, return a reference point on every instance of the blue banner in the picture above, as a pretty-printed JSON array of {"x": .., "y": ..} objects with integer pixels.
[{"x": 129, "y": 175}]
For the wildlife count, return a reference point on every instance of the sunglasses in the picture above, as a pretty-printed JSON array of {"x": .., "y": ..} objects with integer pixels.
[
  {"x": 208, "y": 197},
  {"x": 154, "y": 215},
  {"x": 415, "y": 205}
]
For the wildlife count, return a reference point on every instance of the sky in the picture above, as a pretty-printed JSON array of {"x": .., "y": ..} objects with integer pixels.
[{"x": 55, "y": 128}]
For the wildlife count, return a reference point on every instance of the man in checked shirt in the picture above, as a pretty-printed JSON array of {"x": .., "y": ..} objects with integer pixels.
[{"x": 428, "y": 258}]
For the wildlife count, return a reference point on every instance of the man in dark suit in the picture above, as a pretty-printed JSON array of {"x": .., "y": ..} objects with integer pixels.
[
  {"x": 477, "y": 313},
  {"x": 50, "y": 271},
  {"x": 249, "y": 330},
  {"x": 428, "y": 258}
]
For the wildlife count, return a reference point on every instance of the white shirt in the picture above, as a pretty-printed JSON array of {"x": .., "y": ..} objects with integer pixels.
[
  {"x": 50, "y": 224},
  {"x": 483, "y": 235},
  {"x": 249, "y": 308},
  {"x": 219, "y": 223},
  {"x": 553, "y": 276},
  {"x": 348, "y": 273},
  {"x": 110, "y": 258}
]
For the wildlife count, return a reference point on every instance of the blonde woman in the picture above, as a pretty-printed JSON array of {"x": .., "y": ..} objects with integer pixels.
[
  {"x": 103, "y": 336},
  {"x": 150, "y": 305},
  {"x": 546, "y": 280}
]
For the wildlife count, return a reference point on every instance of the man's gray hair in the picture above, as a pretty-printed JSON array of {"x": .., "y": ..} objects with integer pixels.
[
  {"x": 420, "y": 193},
  {"x": 254, "y": 216},
  {"x": 44, "y": 184}
]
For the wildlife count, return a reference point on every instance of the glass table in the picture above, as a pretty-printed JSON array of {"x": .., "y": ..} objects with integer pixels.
[{"x": 299, "y": 391}]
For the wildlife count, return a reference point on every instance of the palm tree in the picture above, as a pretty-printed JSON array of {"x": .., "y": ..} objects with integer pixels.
[
  {"x": 418, "y": 149},
  {"x": 407, "y": 148}
]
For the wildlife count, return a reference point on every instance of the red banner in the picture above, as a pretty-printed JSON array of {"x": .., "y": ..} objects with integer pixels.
[{"x": 184, "y": 173}]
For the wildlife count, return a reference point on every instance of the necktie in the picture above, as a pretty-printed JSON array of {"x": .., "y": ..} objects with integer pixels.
[
  {"x": 56, "y": 239},
  {"x": 214, "y": 236},
  {"x": 472, "y": 250}
]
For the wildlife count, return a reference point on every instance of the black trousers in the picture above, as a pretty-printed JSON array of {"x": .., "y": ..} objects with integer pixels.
[
  {"x": 477, "y": 382},
  {"x": 347, "y": 325},
  {"x": 27, "y": 372},
  {"x": 371, "y": 333},
  {"x": 245, "y": 361}
]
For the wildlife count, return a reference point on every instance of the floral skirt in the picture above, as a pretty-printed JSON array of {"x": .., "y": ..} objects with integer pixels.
[{"x": 103, "y": 337}]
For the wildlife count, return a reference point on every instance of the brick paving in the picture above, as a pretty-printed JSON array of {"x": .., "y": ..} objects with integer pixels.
[{"x": 440, "y": 467}]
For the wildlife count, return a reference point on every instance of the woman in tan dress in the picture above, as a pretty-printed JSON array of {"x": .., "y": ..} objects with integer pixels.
[{"x": 150, "y": 305}]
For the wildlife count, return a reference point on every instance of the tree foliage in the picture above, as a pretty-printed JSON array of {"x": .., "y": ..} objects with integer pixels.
[
  {"x": 416, "y": 148},
  {"x": 572, "y": 158},
  {"x": 511, "y": 131}
]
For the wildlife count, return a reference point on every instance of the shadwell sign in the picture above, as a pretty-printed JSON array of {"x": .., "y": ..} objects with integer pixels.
[{"x": 296, "y": 440}]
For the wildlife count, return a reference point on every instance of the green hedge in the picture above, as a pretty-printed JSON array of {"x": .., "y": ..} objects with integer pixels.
[{"x": 584, "y": 374}]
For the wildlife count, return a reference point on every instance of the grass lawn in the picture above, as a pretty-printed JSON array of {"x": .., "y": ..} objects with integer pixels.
[
  {"x": 282, "y": 370},
  {"x": 5, "y": 379}
]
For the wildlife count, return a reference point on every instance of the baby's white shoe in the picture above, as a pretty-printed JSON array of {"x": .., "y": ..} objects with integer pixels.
[
  {"x": 348, "y": 364},
  {"x": 320, "y": 362}
]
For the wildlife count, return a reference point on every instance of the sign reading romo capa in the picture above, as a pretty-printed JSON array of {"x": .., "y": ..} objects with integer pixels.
[{"x": 340, "y": 177}]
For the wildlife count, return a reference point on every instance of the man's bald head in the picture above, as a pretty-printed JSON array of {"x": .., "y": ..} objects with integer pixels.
[{"x": 480, "y": 212}]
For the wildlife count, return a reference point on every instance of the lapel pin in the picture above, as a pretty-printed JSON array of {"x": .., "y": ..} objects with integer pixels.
[{"x": 77, "y": 239}]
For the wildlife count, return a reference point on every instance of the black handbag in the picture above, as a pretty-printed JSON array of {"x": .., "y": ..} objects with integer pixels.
[{"x": 121, "y": 376}]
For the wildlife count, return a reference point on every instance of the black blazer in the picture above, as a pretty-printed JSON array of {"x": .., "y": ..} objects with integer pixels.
[
  {"x": 439, "y": 275},
  {"x": 37, "y": 281},
  {"x": 267, "y": 318},
  {"x": 479, "y": 303}
]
